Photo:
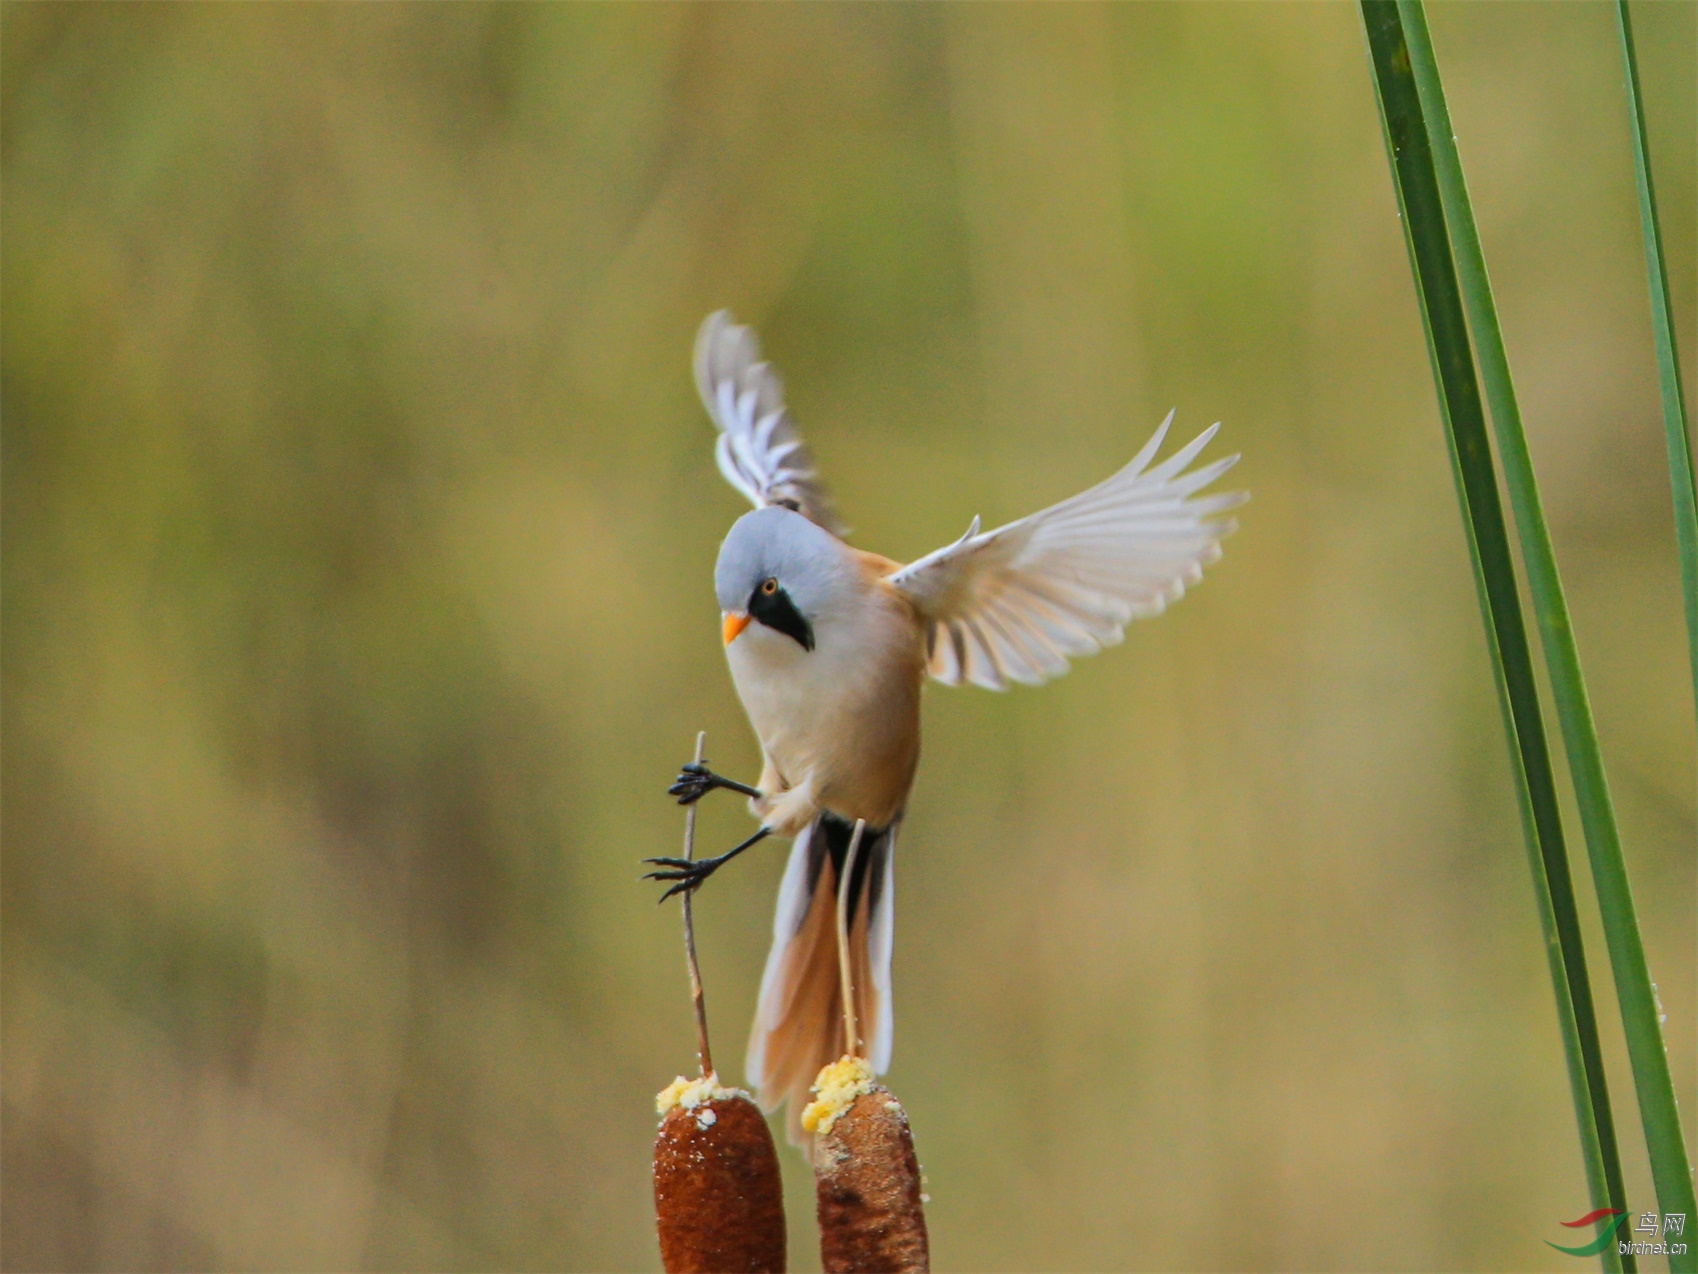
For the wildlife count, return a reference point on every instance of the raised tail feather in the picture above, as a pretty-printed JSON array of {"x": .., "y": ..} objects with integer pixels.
[{"x": 799, "y": 1017}]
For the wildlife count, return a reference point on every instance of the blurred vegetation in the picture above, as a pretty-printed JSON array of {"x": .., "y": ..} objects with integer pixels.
[{"x": 358, "y": 531}]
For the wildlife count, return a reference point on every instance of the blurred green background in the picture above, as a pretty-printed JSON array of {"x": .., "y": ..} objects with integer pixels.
[{"x": 359, "y": 521}]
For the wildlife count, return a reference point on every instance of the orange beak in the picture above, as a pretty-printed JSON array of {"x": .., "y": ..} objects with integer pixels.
[{"x": 734, "y": 622}]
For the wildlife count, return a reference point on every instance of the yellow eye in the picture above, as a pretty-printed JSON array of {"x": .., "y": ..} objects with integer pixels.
[{"x": 769, "y": 586}]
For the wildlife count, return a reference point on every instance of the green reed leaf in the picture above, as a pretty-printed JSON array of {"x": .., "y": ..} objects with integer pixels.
[
  {"x": 1653, "y": 1084},
  {"x": 1668, "y": 365},
  {"x": 1440, "y": 297}
]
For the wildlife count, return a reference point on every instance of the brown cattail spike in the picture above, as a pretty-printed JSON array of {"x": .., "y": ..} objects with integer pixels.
[
  {"x": 866, "y": 1176},
  {"x": 718, "y": 1200}
]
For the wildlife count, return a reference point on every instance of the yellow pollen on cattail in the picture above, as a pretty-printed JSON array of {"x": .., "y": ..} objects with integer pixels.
[
  {"x": 690, "y": 1093},
  {"x": 837, "y": 1087}
]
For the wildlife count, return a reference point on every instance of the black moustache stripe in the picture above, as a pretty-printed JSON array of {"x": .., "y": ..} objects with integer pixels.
[{"x": 779, "y": 613}]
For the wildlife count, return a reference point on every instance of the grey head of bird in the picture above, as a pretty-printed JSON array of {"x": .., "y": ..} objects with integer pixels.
[{"x": 779, "y": 570}]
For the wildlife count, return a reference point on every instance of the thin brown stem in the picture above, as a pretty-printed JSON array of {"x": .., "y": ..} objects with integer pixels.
[
  {"x": 704, "y": 1055},
  {"x": 851, "y": 1035}
]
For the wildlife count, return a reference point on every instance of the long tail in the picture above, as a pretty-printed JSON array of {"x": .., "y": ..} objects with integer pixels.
[{"x": 799, "y": 1018}]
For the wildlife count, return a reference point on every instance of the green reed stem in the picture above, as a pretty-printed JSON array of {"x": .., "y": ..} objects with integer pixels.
[
  {"x": 1654, "y": 1086},
  {"x": 1668, "y": 364},
  {"x": 1440, "y": 298}
]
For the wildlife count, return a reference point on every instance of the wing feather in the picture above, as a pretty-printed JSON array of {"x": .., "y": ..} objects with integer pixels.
[
  {"x": 1016, "y": 603},
  {"x": 758, "y": 449}
]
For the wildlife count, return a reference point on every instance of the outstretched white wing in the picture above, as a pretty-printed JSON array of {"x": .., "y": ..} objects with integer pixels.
[
  {"x": 759, "y": 451},
  {"x": 1014, "y": 604}
]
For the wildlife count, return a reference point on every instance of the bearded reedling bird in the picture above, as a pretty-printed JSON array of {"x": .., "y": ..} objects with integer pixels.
[{"x": 829, "y": 646}]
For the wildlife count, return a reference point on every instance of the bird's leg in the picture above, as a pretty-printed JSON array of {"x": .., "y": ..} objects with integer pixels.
[
  {"x": 689, "y": 875},
  {"x": 695, "y": 781}
]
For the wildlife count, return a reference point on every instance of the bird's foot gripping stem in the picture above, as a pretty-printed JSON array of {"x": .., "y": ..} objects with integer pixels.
[
  {"x": 688, "y": 874},
  {"x": 695, "y": 781}
]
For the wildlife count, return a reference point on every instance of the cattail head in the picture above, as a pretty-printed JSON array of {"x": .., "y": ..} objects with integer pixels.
[
  {"x": 718, "y": 1200},
  {"x": 866, "y": 1175}
]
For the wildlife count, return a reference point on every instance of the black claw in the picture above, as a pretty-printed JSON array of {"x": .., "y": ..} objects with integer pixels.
[
  {"x": 687, "y": 875},
  {"x": 695, "y": 781},
  {"x": 690, "y": 873},
  {"x": 686, "y": 870}
]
